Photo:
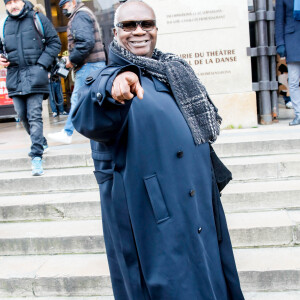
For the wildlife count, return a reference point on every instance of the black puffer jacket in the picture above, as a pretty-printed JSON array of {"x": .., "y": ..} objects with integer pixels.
[{"x": 28, "y": 56}]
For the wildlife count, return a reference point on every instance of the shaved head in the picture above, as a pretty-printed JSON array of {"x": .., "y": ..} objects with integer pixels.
[{"x": 131, "y": 4}]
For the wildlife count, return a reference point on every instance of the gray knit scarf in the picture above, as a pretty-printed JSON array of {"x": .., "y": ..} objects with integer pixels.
[{"x": 191, "y": 96}]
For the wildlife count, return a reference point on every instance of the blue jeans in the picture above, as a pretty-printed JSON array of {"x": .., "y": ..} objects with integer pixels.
[
  {"x": 56, "y": 97},
  {"x": 80, "y": 77},
  {"x": 29, "y": 110},
  {"x": 294, "y": 76}
]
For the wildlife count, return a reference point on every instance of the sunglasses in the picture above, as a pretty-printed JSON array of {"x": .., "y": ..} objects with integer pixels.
[{"x": 130, "y": 26}]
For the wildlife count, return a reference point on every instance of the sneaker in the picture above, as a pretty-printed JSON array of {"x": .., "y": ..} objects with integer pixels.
[
  {"x": 54, "y": 115},
  {"x": 64, "y": 113},
  {"x": 61, "y": 137},
  {"x": 289, "y": 105},
  {"x": 36, "y": 166}
]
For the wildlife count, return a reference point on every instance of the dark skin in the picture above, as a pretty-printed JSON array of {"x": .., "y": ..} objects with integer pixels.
[{"x": 139, "y": 42}]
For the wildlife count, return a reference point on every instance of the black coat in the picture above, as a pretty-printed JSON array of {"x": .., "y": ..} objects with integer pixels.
[
  {"x": 29, "y": 57},
  {"x": 82, "y": 28}
]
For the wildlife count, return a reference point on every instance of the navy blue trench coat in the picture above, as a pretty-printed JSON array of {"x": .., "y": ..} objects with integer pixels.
[
  {"x": 287, "y": 29},
  {"x": 156, "y": 190}
]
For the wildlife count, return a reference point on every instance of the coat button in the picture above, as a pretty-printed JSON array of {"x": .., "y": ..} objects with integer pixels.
[
  {"x": 192, "y": 193},
  {"x": 99, "y": 96},
  {"x": 180, "y": 154},
  {"x": 199, "y": 229}
]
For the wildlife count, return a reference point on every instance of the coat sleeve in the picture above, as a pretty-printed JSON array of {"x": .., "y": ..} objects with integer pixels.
[
  {"x": 82, "y": 29},
  {"x": 52, "y": 43},
  {"x": 1, "y": 47},
  {"x": 279, "y": 22},
  {"x": 97, "y": 115}
]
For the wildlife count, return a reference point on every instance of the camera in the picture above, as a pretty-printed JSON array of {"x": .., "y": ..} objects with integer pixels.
[{"x": 60, "y": 68}]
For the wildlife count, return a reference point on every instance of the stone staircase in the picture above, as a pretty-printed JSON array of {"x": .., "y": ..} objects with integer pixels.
[{"x": 51, "y": 242}]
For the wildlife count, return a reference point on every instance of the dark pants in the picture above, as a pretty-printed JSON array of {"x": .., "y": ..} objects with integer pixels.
[
  {"x": 56, "y": 97},
  {"x": 29, "y": 110}
]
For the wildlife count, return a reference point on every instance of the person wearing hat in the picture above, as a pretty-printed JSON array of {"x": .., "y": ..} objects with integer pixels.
[
  {"x": 27, "y": 55},
  {"x": 86, "y": 54}
]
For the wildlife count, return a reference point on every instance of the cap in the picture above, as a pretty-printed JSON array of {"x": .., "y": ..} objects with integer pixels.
[{"x": 61, "y": 2}]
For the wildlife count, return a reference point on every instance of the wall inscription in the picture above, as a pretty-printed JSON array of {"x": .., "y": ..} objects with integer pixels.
[{"x": 212, "y": 36}]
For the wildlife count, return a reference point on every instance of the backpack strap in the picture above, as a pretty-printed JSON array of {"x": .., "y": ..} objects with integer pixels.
[
  {"x": 2, "y": 25},
  {"x": 39, "y": 26}
]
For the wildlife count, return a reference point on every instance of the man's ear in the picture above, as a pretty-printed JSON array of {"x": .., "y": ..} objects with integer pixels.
[{"x": 115, "y": 32}]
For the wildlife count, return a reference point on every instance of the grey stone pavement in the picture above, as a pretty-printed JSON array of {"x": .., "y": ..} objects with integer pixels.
[{"x": 14, "y": 141}]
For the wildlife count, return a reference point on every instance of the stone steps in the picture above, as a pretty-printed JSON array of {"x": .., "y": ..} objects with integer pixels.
[
  {"x": 62, "y": 298},
  {"x": 54, "y": 276},
  {"x": 54, "y": 180},
  {"x": 269, "y": 269},
  {"x": 63, "y": 237},
  {"x": 261, "y": 196},
  {"x": 256, "y": 147},
  {"x": 236, "y": 197},
  {"x": 51, "y": 242},
  {"x": 50, "y": 162},
  {"x": 53, "y": 206},
  {"x": 260, "y": 270},
  {"x": 261, "y": 229},
  {"x": 258, "y": 229},
  {"x": 248, "y": 296},
  {"x": 271, "y": 167},
  {"x": 295, "y": 295}
]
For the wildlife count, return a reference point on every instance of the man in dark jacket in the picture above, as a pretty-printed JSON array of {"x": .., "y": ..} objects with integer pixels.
[
  {"x": 28, "y": 57},
  {"x": 86, "y": 54},
  {"x": 164, "y": 226},
  {"x": 288, "y": 45}
]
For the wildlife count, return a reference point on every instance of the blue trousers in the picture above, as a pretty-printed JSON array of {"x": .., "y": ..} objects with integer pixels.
[
  {"x": 80, "y": 77},
  {"x": 294, "y": 76},
  {"x": 56, "y": 97},
  {"x": 29, "y": 110}
]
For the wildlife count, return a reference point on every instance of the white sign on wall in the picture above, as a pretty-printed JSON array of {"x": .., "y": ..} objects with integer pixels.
[{"x": 212, "y": 36}]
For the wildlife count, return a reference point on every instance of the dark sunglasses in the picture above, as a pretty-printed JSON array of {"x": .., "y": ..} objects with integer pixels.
[{"x": 130, "y": 26}]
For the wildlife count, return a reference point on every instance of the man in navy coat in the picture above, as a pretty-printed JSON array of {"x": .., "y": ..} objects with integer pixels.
[
  {"x": 151, "y": 123},
  {"x": 288, "y": 45}
]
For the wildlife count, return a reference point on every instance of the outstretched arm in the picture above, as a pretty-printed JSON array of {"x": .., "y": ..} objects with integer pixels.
[{"x": 105, "y": 101}]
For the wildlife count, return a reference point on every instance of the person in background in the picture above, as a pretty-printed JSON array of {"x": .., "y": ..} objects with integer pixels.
[
  {"x": 86, "y": 54},
  {"x": 287, "y": 31},
  {"x": 151, "y": 123},
  {"x": 27, "y": 62},
  {"x": 56, "y": 98}
]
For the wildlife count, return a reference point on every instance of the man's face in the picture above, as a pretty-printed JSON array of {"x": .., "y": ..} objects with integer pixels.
[
  {"x": 139, "y": 41},
  {"x": 14, "y": 7}
]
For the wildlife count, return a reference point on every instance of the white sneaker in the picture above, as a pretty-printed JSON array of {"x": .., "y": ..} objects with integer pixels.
[
  {"x": 61, "y": 137},
  {"x": 289, "y": 105}
]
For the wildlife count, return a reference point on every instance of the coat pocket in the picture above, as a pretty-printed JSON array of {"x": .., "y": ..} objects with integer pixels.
[
  {"x": 38, "y": 76},
  {"x": 156, "y": 198},
  {"x": 12, "y": 79},
  {"x": 104, "y": 169}
]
